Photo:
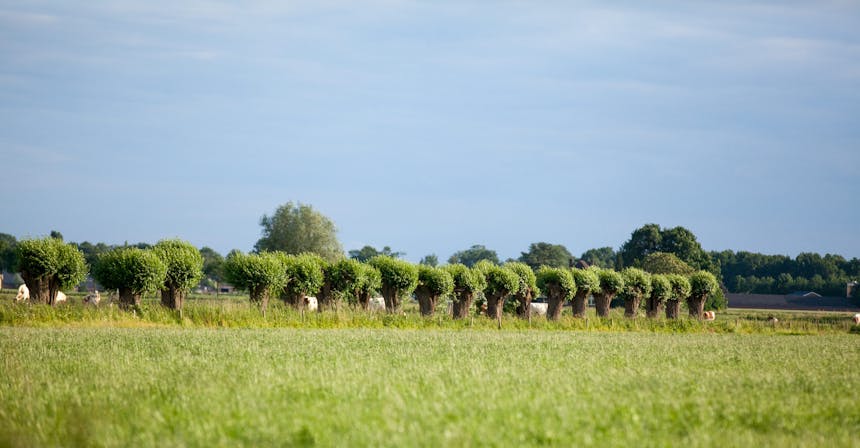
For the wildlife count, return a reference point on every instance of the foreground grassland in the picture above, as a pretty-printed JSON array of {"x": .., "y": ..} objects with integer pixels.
[{"x": 389, "y": 387}]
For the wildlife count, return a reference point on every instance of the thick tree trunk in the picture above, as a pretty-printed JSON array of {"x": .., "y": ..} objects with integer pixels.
[
  {"x": 42, "y": 289},
  {"x": 392, "y": 301},
  {"x": 601, "y": 304},
  {"x": 495, "y": 305},
  {"x": 426, "y": 302},
  {"x": 555, "y": 300},
  {"x": 260, "y": 296},
  {"x": 297, "y": 301},
  {"x": 325, "y": 299},
  {"x": 653, "y": 308},
  {"x": 363, "y": 300},
  {"x": 524, "y": 305},
  {"x": 172, "y": 298},
  {"x": 128, "y": 298},
  {"x": 631, "y": 306},
  {"x": 462, "y": 303},
  {"x": 579, "y": 303},
  {"x": 697, "y": 307},
  {"x": 673, "y": 309}
]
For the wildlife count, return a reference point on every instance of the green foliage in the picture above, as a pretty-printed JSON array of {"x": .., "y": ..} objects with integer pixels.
[
  {"x": 253, "y": 272},
  {"x": 561, "y": 278},
  {"x": 436, "y": 281},
  {"x": 637, "y": 283},
  {"x": 371, "y": 280},
  {"x": 466, "y": 279},
  {"x": 430, "y": 260},
  {"x": 527, "y": 279},
  {"x": 610, "y": 281},
  {"x": 52, "y": 259},
  {"x": 501, "y": 281},
  {"x": 473, "y": 255},
  {"x": 703, "y": 284},
  {"x": 92, "y": 251},
  {"x": 298, "y": 228},
  {"x": 130, "y": 268},
  {"x": 665, "y": 263},
  {"x": 346, "y": 278},
  {"x": 716, "y": 301},
  {"x": 304, "y": 273},
  {"x": 213, "y": 262},
  {"x": 546, "y": 254},
  {"x": 8, "y": 256},
  {"x": 680, "y": 285},
  {"x": 650, "y": 238},
  {"x": 661, "y": 288},
  {"x": 397, "y": 275},
  {"x": 603, "y": 257},
  {"x": 586, "y": 280},
  {"x": 367, "y": 252},
  {"x": 184, "y": 263}
]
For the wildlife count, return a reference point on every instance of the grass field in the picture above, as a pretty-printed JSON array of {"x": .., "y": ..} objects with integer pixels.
[{"x": 389, "y": 387}]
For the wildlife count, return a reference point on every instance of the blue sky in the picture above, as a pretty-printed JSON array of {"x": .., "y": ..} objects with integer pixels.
[{"x": 432, "y": 126}]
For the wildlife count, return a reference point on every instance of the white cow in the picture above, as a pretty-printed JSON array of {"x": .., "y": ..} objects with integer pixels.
[
  {"x": 311, "y": 303},
  {"x": 61, "y": 297},
  {"x": 23, "y": 293},
  {"x": 710, "y": 315},
  {"x": 93, "y": 298},
  {"x": 856, "y": 319},
  {"x": 538, "y": 309},
  {"x": 376, "y": 304}
]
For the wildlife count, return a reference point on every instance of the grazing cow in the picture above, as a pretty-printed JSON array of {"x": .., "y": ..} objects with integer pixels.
[
  {"x": 856, "y": 319},
  {"x": 773, "y": 320},
  {"x": 376, "y": 304},
  {"x": 710, "y": 315},
  {"x": 311, "y": 303},
  {"x": 23, "y": 293},
  {"x": 538, "y": 309},
  {"x": 93, "y": 298},
  {"x": 61, "y": 297}
]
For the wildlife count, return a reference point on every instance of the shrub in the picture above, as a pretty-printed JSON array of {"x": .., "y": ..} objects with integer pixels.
[
  {"x": 132, "y": 271},
  {"x": 260, "y": 274}
]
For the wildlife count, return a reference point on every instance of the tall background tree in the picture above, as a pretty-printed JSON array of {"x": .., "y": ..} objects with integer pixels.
[
  {"x": 474, "y": 254},
  {"x": 212, "y": 264},
  {"x": 679, "y": 241},
  {"x": 602, "y": 257},
  {"x": 8, "y": 257},
  {"x": 184, "y": 270},
  {"x": 546, "y": 254},
  {"x": 430, "y": 260},
  {"x": 49, "y": 264},
  {"x": 297, "y": 228},
  {"x": 367, "y": 252}
]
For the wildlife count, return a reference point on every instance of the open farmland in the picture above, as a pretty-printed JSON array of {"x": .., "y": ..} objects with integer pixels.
[{"x": 388, "y": 387}]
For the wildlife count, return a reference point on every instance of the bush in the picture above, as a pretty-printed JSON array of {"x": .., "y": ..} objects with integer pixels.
[
  {"x": 259, "y": 274},
  {"x": 132, "y": 271}
]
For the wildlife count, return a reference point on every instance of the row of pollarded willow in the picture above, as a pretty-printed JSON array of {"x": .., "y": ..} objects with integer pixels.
[{"x": 171, "y": 266}]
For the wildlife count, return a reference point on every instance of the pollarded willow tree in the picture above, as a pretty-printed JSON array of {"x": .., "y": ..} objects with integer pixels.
[
  {"x": 501, "y": 282},
  {"x": 46, "y": 265},
  {"x": 371, "y": 284},
  {"x": 305, "y": 275},
  {"x": 433, "y": 283},
  {"x": 680, "y": 285},
  {"x": 260, "y": 274},
  {"x": 343, "y": 280},
  {"x": 184, "y": 270},
  {"x": 399, "y": 278},
  {"x": 467, "y": 283},
  {"x": 527, "y": 289},
  {"x": 661, "y": 291},
  {"x": 559, "y": 286},
  {"x": 586, "y": 283},
  {"x": 637, "y": 285},
  {"x": 702, "y": 285},
  {"x": 132, "y": 271},
  {"x": 611, "y": 283}
]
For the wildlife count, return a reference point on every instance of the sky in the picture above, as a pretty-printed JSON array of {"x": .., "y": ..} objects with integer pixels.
[{"x": 432, "y": 126}]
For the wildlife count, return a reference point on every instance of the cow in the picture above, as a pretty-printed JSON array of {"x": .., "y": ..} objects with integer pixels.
[
  {"x": 23, "y": 293},
  {"x": 61, "y": 297},
  {"x": 93, "y": 298},
  {"x": 856, "y": 319},
  {"x": 376, "y": 304},
  {"x": 710, "y": 315},
  {"x": 311, "y": 303},
  {"x": 538, "y": 309}
]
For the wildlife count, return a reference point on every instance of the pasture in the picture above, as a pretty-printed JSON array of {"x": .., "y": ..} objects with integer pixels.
[{"x": 391, "y": 387}]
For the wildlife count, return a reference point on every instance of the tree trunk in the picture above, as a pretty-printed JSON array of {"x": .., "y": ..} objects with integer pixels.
[
  {"x": 296, "y": 300},
  {"x": 601, "y": 304},
  {"x": 43, "y": 289},
  {"x": 462, "y": 303},
  {"x": 524, "y": 305},
  {"x": 363, "y": 300},
  {"x": 325, "y": 299},
  {"x": 697, "y": 306},
  {"x": 579, "y": 304},
  {"x": 555, "y": 300},
  {"x": 128, "y": 298},
  {"x": 653, "y": 308},
  {"x": 426, "y": 301},
  {"x": 172, "y": 298},
  {"x": 673, "y": 309},
  {"x": 392, "y": 301},
  {"x": 260, "y": 295},
  {"x": 631, "y": 306},
  {"x": 495, "y": 305}
]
